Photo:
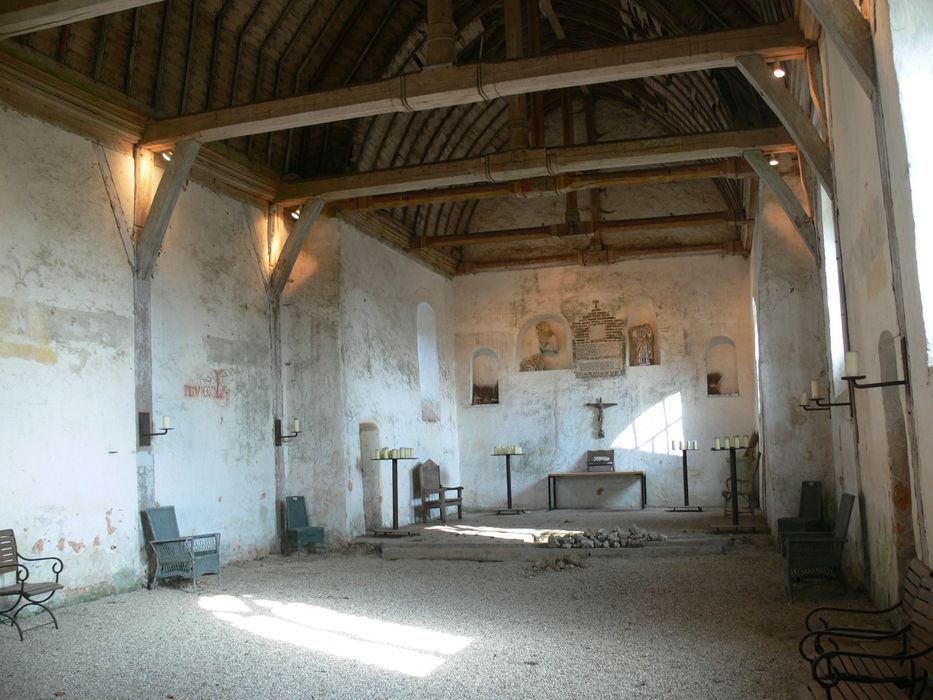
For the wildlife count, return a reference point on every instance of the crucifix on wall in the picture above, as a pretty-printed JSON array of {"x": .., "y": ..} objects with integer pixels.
[{"x": 599, "y": 406}]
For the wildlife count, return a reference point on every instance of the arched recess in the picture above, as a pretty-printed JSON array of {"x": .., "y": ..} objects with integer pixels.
[
  {"x": 896, "y": 433},
  {"x": 722, "y": 376},
  {"x": 429, "y": 370},
  {"x": 544, "y": 343},
  {"x": 485, "y": 377},
  {"x": 644, "y": 342}
]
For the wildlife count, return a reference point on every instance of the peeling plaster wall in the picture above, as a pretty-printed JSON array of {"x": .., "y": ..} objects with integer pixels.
[
  {"x": 381, "y": 290},
  {"x": 904, "y": 57},
  {"x": 869, "y": 279},
  {"x": 696, "y": 298},
  {"x": 791, "y": 351},
  {"x": 210, "y": 366},
  {"x": 66, "y": 361},
  {"x": 351, "y": 352}
]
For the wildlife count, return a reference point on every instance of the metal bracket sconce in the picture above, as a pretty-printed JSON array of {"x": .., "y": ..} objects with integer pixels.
[
  {"x": 144, "y": 423},
  {"x": 280, "y": 437}
]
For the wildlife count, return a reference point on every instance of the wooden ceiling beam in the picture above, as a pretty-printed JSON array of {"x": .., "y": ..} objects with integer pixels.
[
  {"x": 585, "y": 228},
  {"x": 301, "y": 230},
  {"x": 851, "y": 34},
  {"x": 785, "y": 105},
  {"x": 457, "y": 85},
  {"x": 600, "y": 257},
  {"x": 539, "y": 162},
  {"x": 27, "y": 16},
  {"x": 550, "y": 186}
]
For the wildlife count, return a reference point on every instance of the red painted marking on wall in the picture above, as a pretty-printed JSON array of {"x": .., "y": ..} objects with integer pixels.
[
  {"x": 38, "y": 546},
  {"x": 97, "y": 541},
  {"x": 209, "y": 387},
  {"x": 110, "y": 528},
  {"x": 76, "y": 546},
  {"x": 61, "y": 544}
]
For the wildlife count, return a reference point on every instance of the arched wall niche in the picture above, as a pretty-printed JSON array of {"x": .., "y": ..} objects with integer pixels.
[
  {"x": 898, "y": 465},
  {"x": 544, "y": 343},
  {"x": 429, "y": 370},
  {"x": 644, "y": 341},
  {"x": 722, "y": 376},
  {"x": 485, "y": 377}
]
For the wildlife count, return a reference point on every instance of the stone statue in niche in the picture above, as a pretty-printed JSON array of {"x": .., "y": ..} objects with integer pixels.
[
  {"x": 548, "y": 345},
  {"x": 713, "y": 380},
  {"x": 642, "y": 345}
]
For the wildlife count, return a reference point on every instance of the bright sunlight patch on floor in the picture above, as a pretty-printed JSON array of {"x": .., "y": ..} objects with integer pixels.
[
  {"x": 518, "y": 534},
  {"x": 655, "y": 429},
  {"x": 414, "y": 651}
]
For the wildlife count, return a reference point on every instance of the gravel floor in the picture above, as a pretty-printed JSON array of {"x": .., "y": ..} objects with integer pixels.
[{"x": 352, "y": 625}]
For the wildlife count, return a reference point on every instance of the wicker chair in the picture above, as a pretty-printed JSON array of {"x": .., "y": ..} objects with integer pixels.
[
  {"x": 178, "y": 556},
  {"x": 25, "y": 593}
]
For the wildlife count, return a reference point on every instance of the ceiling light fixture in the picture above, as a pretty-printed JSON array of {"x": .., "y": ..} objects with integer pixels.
[
  {"x": 167, "y": 155},
  {"x": 778, "y": 70},
  {"x": 296, "y": 214},
  {"x": 773, "y": 160}
]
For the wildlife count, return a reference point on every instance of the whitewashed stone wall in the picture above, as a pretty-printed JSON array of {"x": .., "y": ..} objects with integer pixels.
[{"x": 695, "y": 298}]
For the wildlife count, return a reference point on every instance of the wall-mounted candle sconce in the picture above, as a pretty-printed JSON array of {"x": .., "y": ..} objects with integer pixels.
[
  {"x": 816, "y": 398},
  {"x": 852, "y": 372},
  {"x": 145, "y": 428},
  {"x": 280, "y": 438}
]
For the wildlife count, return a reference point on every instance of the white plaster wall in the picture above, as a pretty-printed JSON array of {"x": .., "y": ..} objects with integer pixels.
[
  {"x": 695, "y": 298},
  {"x": 796, "y": 444},
  {"x": 212, "y": 374},
  {"x": 904, "y": 57},
  {"x": 866, "y": 261},
  {"x": 380, "y": 291},
  {"x": 351, "y": 354},
  {"x": 66, "y": 361}
]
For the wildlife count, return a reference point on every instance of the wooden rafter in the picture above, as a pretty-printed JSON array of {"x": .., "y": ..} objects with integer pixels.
[
  {"x": 310, "y": 213},
  {"x": 787, "y": 199},
  {"x": 454, "y": 85},
  {"x": 27, "y": 16},
  {"x": 850, "y": 32},
  {"x": 540, "y": 162},
  {"x": 788, "y": 110}
]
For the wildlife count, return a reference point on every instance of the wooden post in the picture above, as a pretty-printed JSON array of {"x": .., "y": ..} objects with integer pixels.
[
  {"x": 514, "y": 48},
  {"x": 571, "y": 210},
  {"x": 440, "y": 47}
]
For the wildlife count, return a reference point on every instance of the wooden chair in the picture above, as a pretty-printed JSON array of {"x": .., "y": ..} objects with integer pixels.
[
  {"x": 809, "y": 513},
  {"x": 297, "y": 529},
  {"x": 434, "y": 493},
  {"x": 826, "y": 629},
  {"x": 817, "y": 555},
  {"x": 869, "y": 673},
  {"x": 25, "y": 593},
  {"x": 177, "y": 556},
  {"x": 746, "y": 472}
]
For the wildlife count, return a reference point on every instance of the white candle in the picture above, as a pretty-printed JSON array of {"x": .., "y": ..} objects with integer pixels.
[
  {"x": 296, "y": 426},
  {"x": 727, "y": 444},
  {"x": 696, "y": 445},
  {"x": 166, "y": 423},
  {"x": 745, "y": 441},
  {"x": 852, "y": 364},
  {"x": 735, "y": 440},
  {"x": 673, "y": 445},
  {"x": 718, "y": 444},
  {"x": 804, "y": 399},
  {"x": 815, "y": 389},
  {"x": 681, "y": 445}
]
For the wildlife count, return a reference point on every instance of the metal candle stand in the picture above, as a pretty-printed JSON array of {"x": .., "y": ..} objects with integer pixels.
[
  {"x": 508, "y": 486},
  {"x": 394, "y": 532},
  {"x": 686, "y": 507},
  {"x": 735, "y": 526}
]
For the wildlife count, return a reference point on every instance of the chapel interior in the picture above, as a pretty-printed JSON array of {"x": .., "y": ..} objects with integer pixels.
[{"x": 259, "y": 249}]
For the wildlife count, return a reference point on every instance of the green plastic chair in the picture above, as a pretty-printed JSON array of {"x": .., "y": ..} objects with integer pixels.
[
  {"x": 177, "y": 556},
  {"x": 297, "y": 529}
]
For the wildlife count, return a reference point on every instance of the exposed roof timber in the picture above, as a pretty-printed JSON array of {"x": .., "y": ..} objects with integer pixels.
[
  {"x": 446, "y": 86},
  {"x": 584, "y": 229},
  {"x": 26, "y": 16},
  {"x": 788, "y": 110},
  {"x": 850, "y": 32},
  {"x": 551, "y": 186},
  {"x": 601, "y": 257},
  {"x": 540, "y": 162},
  {"x": 301, "y": 230},
  {"x": 788, "y": 201}
]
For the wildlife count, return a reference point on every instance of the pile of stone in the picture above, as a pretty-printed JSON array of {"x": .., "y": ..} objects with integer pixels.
[{"x": 617, "y": 537}]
